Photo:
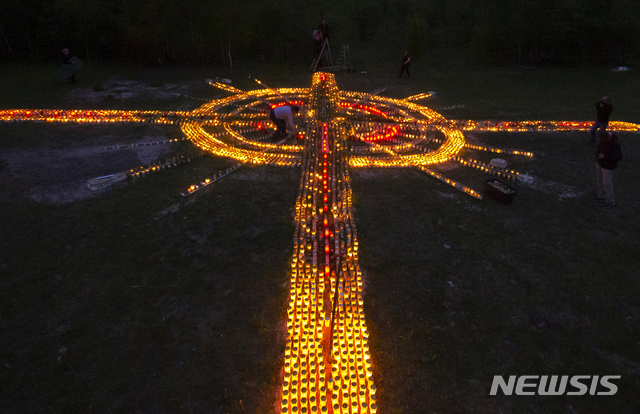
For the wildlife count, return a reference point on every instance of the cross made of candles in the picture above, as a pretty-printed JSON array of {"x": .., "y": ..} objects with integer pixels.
[{"x": 327, "y": 363}]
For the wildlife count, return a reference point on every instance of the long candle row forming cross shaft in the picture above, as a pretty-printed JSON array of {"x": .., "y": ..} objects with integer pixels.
[{"x": 327, "y": 365}]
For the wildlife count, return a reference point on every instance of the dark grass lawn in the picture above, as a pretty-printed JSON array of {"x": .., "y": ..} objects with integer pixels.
[
  {"x": 132, "y": 301},
  {"x": 460, "y": 290}
]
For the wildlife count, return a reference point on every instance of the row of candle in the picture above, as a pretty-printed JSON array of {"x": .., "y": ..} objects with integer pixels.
[
  {"x": 210, "y": 143},
  {"x": 491, "y": 149},
  {"x": 146, "y": 169},
  {"x": 420, "y": 96},
  {"x": 143, "y": 144},
  {"x": 368, "y": 109},
  {"x": 208, "y": 181},
  {"x": 203, "y": 139},
  {"x": 239, "y": 137},
  {"x": 353, "y": 389},
  {"x": 452, "y": 145},
  {"x": 535, "y": 126},
  {"x": 499, "y": 150},
  {"x": 434, "y": 120},
  {"x": 327, "y": 368},
  {"x": 100, "y": 116},
  {"x": 453, "y": 183},
  {"x": 377, "y": 149},
  {"x": 491, "y": 170}
]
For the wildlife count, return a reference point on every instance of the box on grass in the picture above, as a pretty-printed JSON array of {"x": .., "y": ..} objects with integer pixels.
[
  {"x": 498, "y": 163},
  {"x": 499, "y": 191}
]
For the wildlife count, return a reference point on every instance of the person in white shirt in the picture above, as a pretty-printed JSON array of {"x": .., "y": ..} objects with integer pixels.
[{"x": 282, "y": 116}]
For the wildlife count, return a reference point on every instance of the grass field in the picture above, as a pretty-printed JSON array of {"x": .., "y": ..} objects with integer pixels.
[{"x": 133, "y": 301}]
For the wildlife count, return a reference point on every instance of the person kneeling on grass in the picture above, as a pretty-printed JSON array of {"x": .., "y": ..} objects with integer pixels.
[
  {"x": 607, "y": 156},
  {"x": 282, "y": 116}
]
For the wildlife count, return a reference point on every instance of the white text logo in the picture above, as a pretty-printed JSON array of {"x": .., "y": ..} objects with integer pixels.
[{"x": 555, "y": 385}]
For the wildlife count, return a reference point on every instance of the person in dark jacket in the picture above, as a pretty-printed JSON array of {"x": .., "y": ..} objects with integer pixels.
[
  {"x": 406, "y": 62},
  {"x": 324, "y": 29},
  {"x": 603, "y": 112},
  {"x": 66, "y": 60},
  {"x": 608, "y": 155}
]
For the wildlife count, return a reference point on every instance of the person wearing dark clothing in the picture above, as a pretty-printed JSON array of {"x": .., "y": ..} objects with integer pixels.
[
  {"x": 603, "y": 110},
  {"x": 608, "y": 155},
  {"x": 324, "y": 29},
  {"x": 406, "y": 61},
  {"x": 66, "y": 60},
  {"x": 320, "y": 37}
]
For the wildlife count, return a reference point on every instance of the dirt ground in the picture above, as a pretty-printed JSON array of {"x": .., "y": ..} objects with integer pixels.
[
  {"x": 55, "y": 174},
  {"x": 61, "y": 175},
  {"x": 116, "y": 89}
]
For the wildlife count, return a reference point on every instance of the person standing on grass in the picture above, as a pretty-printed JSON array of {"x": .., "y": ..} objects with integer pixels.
[
  {"x": 281, "y": 117},
  {"x": 603, "y": 109},
  {"x": 607, "y": 156},
  {"x": 67, "y": 59},
  {"x": 324, "y": 30},
  {"x": 406, "y": 61}
]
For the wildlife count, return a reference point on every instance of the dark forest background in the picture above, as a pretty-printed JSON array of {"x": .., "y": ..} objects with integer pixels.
[{"x": 206, "y": 32}]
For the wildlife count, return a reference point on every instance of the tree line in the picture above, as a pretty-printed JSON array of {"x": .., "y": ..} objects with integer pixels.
[{"x": 217, "y": 32}]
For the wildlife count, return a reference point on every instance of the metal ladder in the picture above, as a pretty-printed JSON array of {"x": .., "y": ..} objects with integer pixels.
[
  {"x": 324, "y": 53},
  {"x": 344, "y": 60}
]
